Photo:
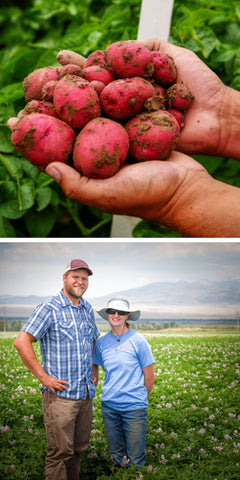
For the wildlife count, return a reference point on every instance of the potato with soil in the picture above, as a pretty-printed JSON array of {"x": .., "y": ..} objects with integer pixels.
[
  {"x": 179, "y": 96},
  {"x": 164, "y": 69},
  {"x": 39, "y": 106},
  {"x": 153, "y": 136},
  {"x": 130, "y": 59},
  {"x": 100, "y": 148},
  {"x": 35, "y": 81},
  {"x": 43, "y": 139},
  {"x": 76, "y": 101},
  {"x": 125, "y": 97}
]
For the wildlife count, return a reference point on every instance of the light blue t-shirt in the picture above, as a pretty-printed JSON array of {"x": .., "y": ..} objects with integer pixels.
[{"x": 123, "y": 361}]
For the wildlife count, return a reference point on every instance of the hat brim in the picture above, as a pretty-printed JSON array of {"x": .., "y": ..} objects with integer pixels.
[{"x": 132, "y": 315}]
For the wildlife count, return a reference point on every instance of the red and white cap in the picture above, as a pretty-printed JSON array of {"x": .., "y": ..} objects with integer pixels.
[{"x": 76, "y": 264}]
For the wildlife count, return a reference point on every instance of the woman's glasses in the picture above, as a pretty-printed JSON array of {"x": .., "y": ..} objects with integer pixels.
[{"x": 111, "y": 311}]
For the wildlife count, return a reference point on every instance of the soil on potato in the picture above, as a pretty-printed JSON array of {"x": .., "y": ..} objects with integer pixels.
[
  {"x": 157, "y": 102},
  {"x": 155, "y": 120},
  {"x": 106, "y": 158},
  {"x": 28, "y": 140}
]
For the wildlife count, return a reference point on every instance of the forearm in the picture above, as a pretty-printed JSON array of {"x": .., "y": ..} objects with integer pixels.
[
  {"x": 28, "y": 356},
  {"x": 149, "y": 387},
  {"x": 229, "y": 145},
  {"x": 149, "y": 378},
  {"x": 207, "y": 208}
]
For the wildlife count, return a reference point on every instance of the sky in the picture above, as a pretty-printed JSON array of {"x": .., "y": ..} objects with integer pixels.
[{"x": 36, "y": 267}]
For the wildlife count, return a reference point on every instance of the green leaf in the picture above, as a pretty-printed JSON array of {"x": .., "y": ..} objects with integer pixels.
[
  {"x": 150, "y": 229},
  {"x": 13, "y": 166},
  {"x": 12, "y": 92},
  {"x": 5, "y": 140},
  {"x": 43, "y": 198},
  {"x": 29, "y": 169},
  {"x": 229, "y": 168},
  {"x": 210, "y": 163},
  {"x": 237, "y": 63},
  {"x": 208, "y": 40},
  {"x": 236, "y": 83},
  {"x": 6, "y": 111},
  {"x": 9, "y": 202},
  {"x": 40, "y": 224},
  {"x": 6, "y": 229},
  {"x": 26, "y": 194},
  {"x": 43, "y": 180}
]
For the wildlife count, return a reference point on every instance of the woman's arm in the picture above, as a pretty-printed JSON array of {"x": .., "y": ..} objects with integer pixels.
[{"x": 149, "y": 378}]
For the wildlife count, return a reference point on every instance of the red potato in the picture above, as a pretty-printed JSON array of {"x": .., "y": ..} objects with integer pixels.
[
  {"x": 34, "y": 82},
  {"x": 179, "y": 96},
  {"x": 178, "y": 115},
  {"x": 98, "y": 86},
  {"x": 70, "y": 69},
  {"x": 48, "y": 90},
  {"x": 76, "y": 101},
  {"x": 98, "y": 58},
  {"x": 98, "y": 73},
  {"x": 125, "y": 97},
  {"x": 43, "y": 139},
  {"x": 39, "y": 106},
  {"x": 130, "y": 59},
  {"x": 153, "y": 136},
  {"x": 100, "y": 148},
  {"x": 125, "y": 83},
  {"x": 164, "y": 69}
]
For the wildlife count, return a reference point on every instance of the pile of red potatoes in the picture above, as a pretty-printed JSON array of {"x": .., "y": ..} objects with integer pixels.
[{"x": 124, "y": 105}]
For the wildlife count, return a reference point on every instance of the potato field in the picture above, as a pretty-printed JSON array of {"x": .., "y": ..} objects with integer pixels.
[{"x": 193, "y": 415}]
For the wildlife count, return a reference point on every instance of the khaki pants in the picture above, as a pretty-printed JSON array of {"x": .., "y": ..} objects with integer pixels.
[{"x": 68, "y": 427}]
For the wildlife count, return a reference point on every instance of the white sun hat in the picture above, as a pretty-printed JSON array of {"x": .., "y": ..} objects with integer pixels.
[{"x": 119, "y": 304}]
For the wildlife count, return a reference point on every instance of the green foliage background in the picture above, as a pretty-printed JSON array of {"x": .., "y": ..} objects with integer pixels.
[{"x": 32, "y": 33}]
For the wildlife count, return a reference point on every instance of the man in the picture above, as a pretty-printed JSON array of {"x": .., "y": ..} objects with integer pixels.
[{"x": 66, "y": 328}]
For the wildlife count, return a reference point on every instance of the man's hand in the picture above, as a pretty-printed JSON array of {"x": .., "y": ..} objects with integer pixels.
[{"x": 54, "y": 384}]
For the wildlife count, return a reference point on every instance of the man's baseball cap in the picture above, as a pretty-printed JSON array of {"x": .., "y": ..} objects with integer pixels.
[{"x": 76, "y": 264}]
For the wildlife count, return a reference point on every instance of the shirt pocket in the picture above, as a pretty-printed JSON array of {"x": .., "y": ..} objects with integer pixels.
[
  {"x": 63, "y": 330},
  {"x": 67, "y": 330}
]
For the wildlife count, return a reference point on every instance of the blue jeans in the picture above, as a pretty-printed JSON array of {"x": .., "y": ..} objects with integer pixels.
[{"x": 126, "y": 431}]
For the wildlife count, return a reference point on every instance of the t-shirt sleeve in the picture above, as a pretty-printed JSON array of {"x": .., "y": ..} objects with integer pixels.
[
  {"x": 145, "y": 354},
  {"x": 97, "y": 359}
]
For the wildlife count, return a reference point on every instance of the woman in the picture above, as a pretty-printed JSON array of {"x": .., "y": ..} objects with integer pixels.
[{"x": 127, "y": 360}]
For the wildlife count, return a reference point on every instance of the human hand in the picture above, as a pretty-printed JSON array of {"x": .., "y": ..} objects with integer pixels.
[
  {"x": 145, "y": 189},
  {"x": 94, "y": 377},
  {"x": 178, "y": 193},
  {"x": 204, "y": 130},
  {"x": 54, "y": 384}
]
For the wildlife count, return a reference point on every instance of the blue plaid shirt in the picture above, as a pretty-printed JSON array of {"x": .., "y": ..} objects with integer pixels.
[{"x": 66, "y": 334}]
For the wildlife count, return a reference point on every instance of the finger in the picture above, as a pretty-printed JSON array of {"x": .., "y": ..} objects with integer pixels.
[
  {"x": 53, "y": 391},
  {"x": 76, "y": 186},
  {"x": 65, "y": 57}
]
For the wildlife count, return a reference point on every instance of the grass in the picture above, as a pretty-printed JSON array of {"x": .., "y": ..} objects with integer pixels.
[{"x": 193, "y": 415}]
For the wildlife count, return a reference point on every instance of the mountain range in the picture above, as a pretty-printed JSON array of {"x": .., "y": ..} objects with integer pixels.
[{"x": 156, "y": 300}]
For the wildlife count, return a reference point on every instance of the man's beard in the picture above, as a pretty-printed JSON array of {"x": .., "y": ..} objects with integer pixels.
[{"x": 72, "y": 291}]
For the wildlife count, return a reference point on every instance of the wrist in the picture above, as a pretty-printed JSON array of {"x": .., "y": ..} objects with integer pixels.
[
  {"x": 229, "y": 145},
  {"x": 204, "y": 207}
]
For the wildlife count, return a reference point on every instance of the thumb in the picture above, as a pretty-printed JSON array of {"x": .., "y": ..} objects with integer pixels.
[{"x": 76, "y": 186}]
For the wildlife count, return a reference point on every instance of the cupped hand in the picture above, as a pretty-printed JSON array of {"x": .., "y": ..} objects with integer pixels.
[
  {"x": 145, "y": 189},
  {"x": 202, "y": 132}
]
